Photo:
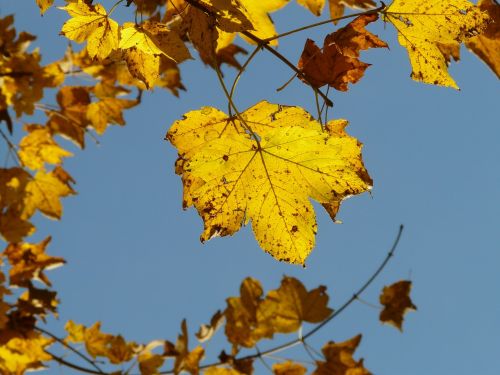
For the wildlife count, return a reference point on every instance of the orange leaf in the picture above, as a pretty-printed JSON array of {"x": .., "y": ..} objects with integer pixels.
[{"x": 337, "y": 64}]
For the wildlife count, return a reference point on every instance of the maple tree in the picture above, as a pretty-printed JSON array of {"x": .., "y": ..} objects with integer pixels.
[{"x": 262, "y": 165}]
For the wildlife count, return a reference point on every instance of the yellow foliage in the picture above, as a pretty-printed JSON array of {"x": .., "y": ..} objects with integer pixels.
[
  {"x": 422, "y": 25},
  {"x": 91, "y": 23},
  {"x": 397, "y": 302},
  {"x": 20, "y": 354},
  {"x": 339, "y": 360},
  {"x": 265, "y": 170},
  {"x": 289, "y": 368},
  {"x": 44, "y": 5},
  {"x": 39, "y": 147}
]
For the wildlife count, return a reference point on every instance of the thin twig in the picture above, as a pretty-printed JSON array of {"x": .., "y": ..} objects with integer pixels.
[
  {"x": 66, "y": 345},
  {"x": 72, "y": 365}
]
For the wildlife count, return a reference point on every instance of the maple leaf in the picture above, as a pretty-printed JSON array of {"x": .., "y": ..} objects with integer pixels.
[
  {"x": 487, "y": 45},
  {"x": 339, "y": 360},
  {"x": 186, "y": 360},
  {"x": 338, "y": 64},
  {"x": 44, "y": 191},
  {"x": 292, "y": 304},
  {"x": 221, "y": 371},
  {"x": 397, "y": 302},
  {"x": 29, "y": 261},
  {"x": 44, "y": 5},
  {"x": 289, "y": 368},
  {"x": 154, "y": 38},
  {"x": 258, "y": 14},
  {"x": 268, "y": 176},
  {"x": 149, "y": 363},
  {"x": 422, "y": 25},
  {"x": 91, "y": 23},
  {"x": 38, "y": 147},
  {"x": 20, "y": 354},
  {"x": 314, "y": 6},
  {"x": 337, "y": 7}
]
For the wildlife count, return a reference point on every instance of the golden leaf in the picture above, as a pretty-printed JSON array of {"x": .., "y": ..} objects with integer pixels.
[
  {"x": 337, "y": 63},
  {"x": 339, "y": 360},
  {"x": 265, "y": 170},
  {"x": 91, "y": 23},
  {"x": 397, "y": 302},
  {"x": 29, "y": 261},
  {"x": 293, "y": 304},
  {"x": 39, "y": 147},
  {"x": 243, "y": 325},
  {"x": 20, "y": 354},
  {"x": 44, "y": 192},
  {"x": 186, "y": 360},
  {"x": 422, "y": 25},
  {"x": 143, "y": 66},
  {"x": 221, "y": 371},
  {"x": 76, "y": 332},
  {"x": 487, "y": 45},
  {"x": 149, "y": 363},
  {"x": 258, "y": 14},
  {"x": 44, "y": 5},
  {"x": 314, "y": 6},
  {"x": 120, "y": 351},
  {"x": 154, "y": 38},
  {"x": 108, "y": 111},
  {"x": 337, "y": 7},
  {"x": 289, "y": 368}
]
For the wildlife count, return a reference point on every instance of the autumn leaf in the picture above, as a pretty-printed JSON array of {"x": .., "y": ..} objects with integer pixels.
[
  {"x": 186, "y": 360},
  {"x": 422, "y": 25},
  {"x": 339, "y": 359},
  {"x": 44, "y": 193},
  {"x": 44, "y": 5},
  {"x": 396, "y": 301},
  {"x": 149, "y": 363},
  {"x": 20, "y": 354},
  {"x": 265, "y": 170},
  {"x": 258, "y": 14},
  {"x": 314, "y": 6},
  {"x": 487, "y": 45},
  {"x": 39, "y": 147},
  {"x": 91, "y": 23},
  {"x": 206, "y": 331},
  {"x": 337, "y": 7},
  {"x": 293, "y": 304},
  {"x": 289, "y": 368},
  {"x": 338, "y": 64},
  {"x": 221, "y": 371},
  {"x": 29, "y": 261},
  {"x": 154, "y": 38},
  {"x": 108, "y": 110}
]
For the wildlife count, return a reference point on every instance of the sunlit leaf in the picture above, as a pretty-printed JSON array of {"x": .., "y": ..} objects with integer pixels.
[{"x": 265, "y": 170}]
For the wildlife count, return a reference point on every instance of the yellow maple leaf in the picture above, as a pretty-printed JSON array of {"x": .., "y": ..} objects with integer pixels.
[
  {"x": 39, "y": 147},
  {"x": 154, "y": 38},
  {"x": 149, "y": 363},
  {"x": 339, "y": 360},
  {"x": 268, "y": 177},
  {"x": 108, "y": 111},
  {"x": 44, "y": 5},
  {"x": 289, "y": 368},
  {"x": 292, "y": 304},
  {"x": 258, "y": 14},
  {"x": 487, "y": 45},
  {"x": 422, "y": 24},
  {"x": 20, "y": 354},
  {"x": 397, "y": 302},
  {"x": 44, "y": 192},
  {"x": 91, "y": 23},
  {"x": 221, "y": 371},
  {"x": 314, "y": 6}
]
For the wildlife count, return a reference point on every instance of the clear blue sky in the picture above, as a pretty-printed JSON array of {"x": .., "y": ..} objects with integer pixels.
[{"x": 136, "y": 264}]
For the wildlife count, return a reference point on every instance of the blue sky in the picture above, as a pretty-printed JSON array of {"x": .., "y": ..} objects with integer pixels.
[{"x": 136, "y": 264}]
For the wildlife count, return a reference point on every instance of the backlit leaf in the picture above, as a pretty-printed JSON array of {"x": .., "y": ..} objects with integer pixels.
[
  {"x": 422, "y": 25},
  {"x": 20, "y": 354},
  {"x": 289, "y": 368},
  {"x": 91, "y": 23},
  {"x": 487, "y": 45},
  {"x": 39, "y": 147},
  {"x": 337, "y": 63},
  {"x": 293, "y": 305},
  {"x": 233, "y": 177},
  {"x": 337, "y": 7},
  {"x": 339, "y": 359},
  {"x": 396, "y": 301},
  {"x": 44, "y": 5}
]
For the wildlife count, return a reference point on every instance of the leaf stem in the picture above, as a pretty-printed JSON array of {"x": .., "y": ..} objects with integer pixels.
[{"x": 114, "y": 7}]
